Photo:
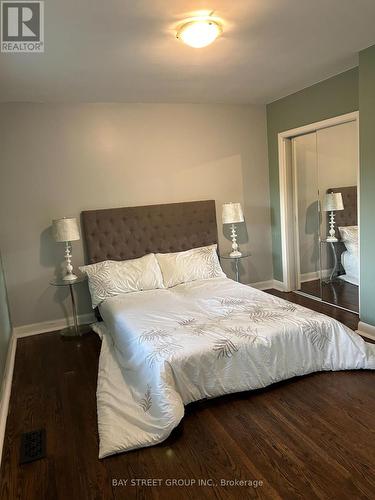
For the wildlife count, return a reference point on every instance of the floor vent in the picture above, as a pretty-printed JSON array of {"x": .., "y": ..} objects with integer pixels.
[{"x": 33, "y": 446}]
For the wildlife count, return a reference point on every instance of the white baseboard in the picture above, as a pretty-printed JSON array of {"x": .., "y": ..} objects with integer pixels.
[
  {"x": 366, "y": 330},
  {"x": 50, "y": 326},
  {"x": 266, "y": 285},
  {"x": 315, "y": 275},
  {"x": 262, "y": 285},
  {"x": 6, "y": 387},
  {"x": 279, "y": 285}
]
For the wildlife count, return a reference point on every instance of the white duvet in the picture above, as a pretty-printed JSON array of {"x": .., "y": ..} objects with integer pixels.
[{"x": 164, "y": 348}]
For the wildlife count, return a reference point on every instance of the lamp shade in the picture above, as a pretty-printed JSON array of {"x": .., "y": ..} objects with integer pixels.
[
  {"x": 333, "y": 201},
  {"x": 232, "y": 213},
  {"x": 65, "y": 229}
]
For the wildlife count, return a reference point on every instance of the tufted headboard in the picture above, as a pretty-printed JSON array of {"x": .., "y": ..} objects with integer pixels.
[
  {"x": 131, "y": 232},
  {"x": 348, "y": 216}
]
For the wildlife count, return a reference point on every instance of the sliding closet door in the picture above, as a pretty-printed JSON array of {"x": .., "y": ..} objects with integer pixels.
[
  {"x": 337, "y": 149},
  {"x": 307, "y": 219},
  {"x": 326, "y": 162}
]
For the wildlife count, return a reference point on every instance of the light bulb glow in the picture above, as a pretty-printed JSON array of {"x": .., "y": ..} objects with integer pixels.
[{"x": 199, "y": 33}]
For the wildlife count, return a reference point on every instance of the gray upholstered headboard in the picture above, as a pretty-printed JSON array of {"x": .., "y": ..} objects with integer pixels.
[
  {"x": 348, "y": 216},
  {"x": 131, "y": 232}
]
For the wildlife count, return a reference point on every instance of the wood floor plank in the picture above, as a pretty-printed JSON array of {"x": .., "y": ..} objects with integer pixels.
[
  {"x": 296, "y": 401},
  {"x": 298, "y": 460},
  {"x": 342, "y": 446},
  {"x": 79, "y": 412}
]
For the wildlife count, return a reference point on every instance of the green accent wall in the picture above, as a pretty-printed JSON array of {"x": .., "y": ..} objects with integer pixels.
[
  {"x": 367, "y": 182},
  {"x": 336, "y": 96}
]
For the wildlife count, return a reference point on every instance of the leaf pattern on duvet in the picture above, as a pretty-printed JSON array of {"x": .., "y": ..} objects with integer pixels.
[
  {"x": 191, "y": 326},
  {"x": 227, "y": 314},
  {"x": 259, "y": 315},
  {"x": 153, "y": 335},
  {"x": 299, "y": 312},
  {"x": 225, "y": 348},
  {"x": 200, "y": 329},
  {"x": 237, "y": 307},
  {"x": 186, "y": 322},
  {"x": 288, "y": 307},
  {"x": 232, "y": 301},
  {"x": 318, "y": 333},
  {"x": 248, "y": 333},
  {"x": 146, "y": 402},
  {"x": 162, "y": 351},
  {"x": 262, "y": 354}
]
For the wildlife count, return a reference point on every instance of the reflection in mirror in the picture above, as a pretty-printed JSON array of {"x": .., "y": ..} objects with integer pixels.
[
  {"x": 325, "y": 171},
  {"x": 306, "y": 206}
]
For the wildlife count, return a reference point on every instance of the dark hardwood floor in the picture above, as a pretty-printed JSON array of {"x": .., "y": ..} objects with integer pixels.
[
  {"x": 339, "y": 292},
  {"x": 311, "y": 437},
  {"x": 312, "y": 288}
]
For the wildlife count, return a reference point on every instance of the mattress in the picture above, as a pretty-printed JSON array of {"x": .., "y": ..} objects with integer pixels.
[
  {"x": 350, "y": 263},
  {"x": 162, "y": 349}
]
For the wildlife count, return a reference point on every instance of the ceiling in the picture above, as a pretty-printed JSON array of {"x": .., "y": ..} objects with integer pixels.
[{"x": 125, "y": 51}]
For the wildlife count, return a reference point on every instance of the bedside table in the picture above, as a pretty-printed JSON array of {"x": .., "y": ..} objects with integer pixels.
[
  {"x": 226, "y": 256},
  {"x": 335, "y": 269},
  {"x": 76, "y": 330}
]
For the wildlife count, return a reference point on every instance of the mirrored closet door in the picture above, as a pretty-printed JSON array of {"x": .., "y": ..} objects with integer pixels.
[{"x": 325, "y": 173}]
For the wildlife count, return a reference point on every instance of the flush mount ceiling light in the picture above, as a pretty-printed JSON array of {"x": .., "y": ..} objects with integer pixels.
[{"x": 199, "y": 32}]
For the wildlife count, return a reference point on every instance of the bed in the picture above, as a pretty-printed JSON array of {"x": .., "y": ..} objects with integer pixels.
[{"x": 164, "y": 348}]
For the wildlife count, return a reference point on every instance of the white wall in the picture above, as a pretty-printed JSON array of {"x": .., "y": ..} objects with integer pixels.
[{"x": 57, "y": 160}]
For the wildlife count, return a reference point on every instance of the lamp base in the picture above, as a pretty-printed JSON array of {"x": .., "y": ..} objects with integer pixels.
[
  {"x": 235, "y": 253},
  {"x": 331, "y": 239},
  {"x": 70, "y": 277}
]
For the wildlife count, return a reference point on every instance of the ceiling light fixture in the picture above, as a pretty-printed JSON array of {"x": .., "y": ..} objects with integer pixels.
[{"x": 199, "y": 32}]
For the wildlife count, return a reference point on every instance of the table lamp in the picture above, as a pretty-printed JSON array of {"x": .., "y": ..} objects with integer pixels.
[
  {"x": 66, "y": 230},
  {"x": 332, "y": 203},
  {"x": 232, "y": 214}
]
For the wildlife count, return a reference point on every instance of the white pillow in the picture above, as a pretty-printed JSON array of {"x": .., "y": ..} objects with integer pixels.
[
  {"x": 349, "y": 236},
  {"x": 111, "y": 277},
  {"x": 195, "y": 264}
]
